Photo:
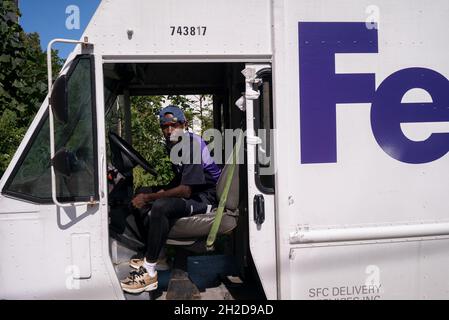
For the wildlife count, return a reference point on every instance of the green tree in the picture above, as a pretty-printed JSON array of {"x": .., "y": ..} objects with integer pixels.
[
  {"x": 198, "y": 107},
  {"x": 23, "y": 80},
  {"x": 203, "y": 111},
  {"x": 148, "y": 140}
]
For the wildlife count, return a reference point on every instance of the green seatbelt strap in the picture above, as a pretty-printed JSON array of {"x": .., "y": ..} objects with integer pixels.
[{"x": 221, "y": 206}]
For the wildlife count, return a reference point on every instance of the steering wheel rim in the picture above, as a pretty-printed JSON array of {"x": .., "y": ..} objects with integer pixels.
[{"x": 131, "y": 153}]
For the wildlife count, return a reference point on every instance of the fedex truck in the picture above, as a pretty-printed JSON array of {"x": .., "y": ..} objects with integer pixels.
[{"x": 355, "y": 94}]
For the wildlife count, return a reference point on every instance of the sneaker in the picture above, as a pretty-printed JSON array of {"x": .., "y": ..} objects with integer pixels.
[
  {"x": 139, "y": 281},
  {"x": 136, "y": 263},
  {"x": 162, "y": 264}
]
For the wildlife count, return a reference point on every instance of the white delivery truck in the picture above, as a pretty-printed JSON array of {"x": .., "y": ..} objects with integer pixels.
[{"x": 357, "y": 95}]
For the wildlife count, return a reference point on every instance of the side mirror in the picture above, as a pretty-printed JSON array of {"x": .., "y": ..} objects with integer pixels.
[
  {"x": 63, "y": 161},
  {"x": 59, "y": 99}
]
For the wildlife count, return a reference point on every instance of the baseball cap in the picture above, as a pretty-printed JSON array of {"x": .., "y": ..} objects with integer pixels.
[{"x": 178, "y": 115}]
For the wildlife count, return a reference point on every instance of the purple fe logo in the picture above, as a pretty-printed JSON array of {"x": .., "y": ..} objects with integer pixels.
[{"x": 321, "y": 89}]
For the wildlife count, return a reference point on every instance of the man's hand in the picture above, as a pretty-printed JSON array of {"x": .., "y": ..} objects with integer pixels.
[
  {"x": 181, "y": 191},
  {"x": 141, "y": 200}
]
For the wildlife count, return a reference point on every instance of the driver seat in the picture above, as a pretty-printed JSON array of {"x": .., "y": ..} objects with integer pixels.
[{"x": 191, "y": 232}]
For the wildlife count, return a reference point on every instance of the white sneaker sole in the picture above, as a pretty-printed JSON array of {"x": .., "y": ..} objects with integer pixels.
[{"x": 149, "y": 287}]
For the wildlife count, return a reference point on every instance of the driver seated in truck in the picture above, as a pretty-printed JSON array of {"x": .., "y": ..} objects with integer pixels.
[{"x": 193, "y": 192}]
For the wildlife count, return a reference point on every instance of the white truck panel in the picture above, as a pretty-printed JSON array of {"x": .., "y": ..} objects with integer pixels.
[
  {"x": 233, "y": 28},
  {"x": 31, "y": 248},
  {"x": 371, "y": 271},
  {"x": 365, "y": 186}
]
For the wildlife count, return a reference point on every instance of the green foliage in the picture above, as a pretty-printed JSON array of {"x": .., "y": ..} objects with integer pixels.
[
  {"x": 23, "y": 80},
  {"x": 11, "y": 135},
  {"x": 148, "y": 140},
  {"x": 197, "y": 107},
  {"x": 203, "y": 111}
]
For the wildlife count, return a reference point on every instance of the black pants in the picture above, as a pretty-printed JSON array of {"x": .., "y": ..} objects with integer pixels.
[
  {"x": 155, "y": 220},
  {"x": 164, "y": 213}
]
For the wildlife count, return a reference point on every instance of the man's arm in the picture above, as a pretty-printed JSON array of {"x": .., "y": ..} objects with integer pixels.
[{"x": 181, "y": 191}]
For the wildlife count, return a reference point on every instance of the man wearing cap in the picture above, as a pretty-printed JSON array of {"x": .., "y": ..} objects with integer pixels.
[{"x": 193, "y": 192}]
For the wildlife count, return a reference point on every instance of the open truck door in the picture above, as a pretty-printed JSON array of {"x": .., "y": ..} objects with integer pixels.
[
  {"x": 51, "y": 220},
  {"x": 261, "y": 191}
]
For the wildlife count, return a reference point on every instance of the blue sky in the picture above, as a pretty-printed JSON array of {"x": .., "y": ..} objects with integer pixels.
[{"x": 48, "y": 18}]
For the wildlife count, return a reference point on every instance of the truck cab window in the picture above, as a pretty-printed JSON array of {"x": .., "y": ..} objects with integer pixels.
[
  {"x": 263, "y": 125},
  {"x": 31, "y": 176}
]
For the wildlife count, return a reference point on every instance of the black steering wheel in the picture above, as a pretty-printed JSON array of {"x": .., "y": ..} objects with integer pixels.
[{"x": 125, "y": 157}]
